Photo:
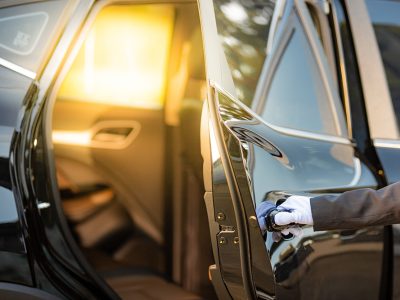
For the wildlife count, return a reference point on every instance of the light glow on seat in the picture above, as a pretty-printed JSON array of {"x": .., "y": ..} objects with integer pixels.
[{"x": 123, "y": 60}]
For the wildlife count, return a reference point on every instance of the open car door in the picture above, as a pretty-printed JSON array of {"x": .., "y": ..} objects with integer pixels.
[{"x": 275, "y": 123}]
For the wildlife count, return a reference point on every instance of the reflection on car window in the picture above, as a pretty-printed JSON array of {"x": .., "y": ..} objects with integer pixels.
[
  {"x": 243, "y": 29},
  {"x": 385, "y": 16},
  {"x": 296, "y": 98},
  {"x": 26, "y": 31}
]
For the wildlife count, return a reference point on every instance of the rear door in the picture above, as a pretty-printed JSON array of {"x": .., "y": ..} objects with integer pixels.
[
  {"x": 376, "y": 35},
  {"x": 29, "y": 33},
  {"x": 275, "y": 123}
]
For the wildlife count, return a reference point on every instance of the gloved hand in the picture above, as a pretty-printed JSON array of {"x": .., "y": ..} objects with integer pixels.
[
  {"x": 263, "y": 209},
  {"x": 299, "y": 212}
]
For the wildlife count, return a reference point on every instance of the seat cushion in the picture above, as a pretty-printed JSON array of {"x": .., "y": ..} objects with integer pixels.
[{"x": 80, "y": 207}]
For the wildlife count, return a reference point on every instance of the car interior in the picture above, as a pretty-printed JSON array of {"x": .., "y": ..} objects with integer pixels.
[{"x": 126, "y": 138}]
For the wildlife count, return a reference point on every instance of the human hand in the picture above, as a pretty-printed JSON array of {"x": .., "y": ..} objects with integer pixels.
[
  {"x": 297, "y": 210},
  {"x": 264, "y": 209}
]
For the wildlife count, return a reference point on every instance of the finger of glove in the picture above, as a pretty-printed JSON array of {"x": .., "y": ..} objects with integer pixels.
[
  {"x": 276, "y": 236},
  {"x": 284, "y": 218},
  {"x": 296, "y": 231}
]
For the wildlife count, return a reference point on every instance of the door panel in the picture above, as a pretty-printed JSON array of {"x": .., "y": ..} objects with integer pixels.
[
  {"x": 135, "y": 167},
  {"x": 111, "y": 105}
]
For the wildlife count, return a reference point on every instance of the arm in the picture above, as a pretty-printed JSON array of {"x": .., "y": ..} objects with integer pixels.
[
  {"x": 358, "y": 208},
  {"x": 350, "y": 210}
]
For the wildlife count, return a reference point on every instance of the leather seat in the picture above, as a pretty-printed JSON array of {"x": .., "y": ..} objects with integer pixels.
[
  {"x": 82, "y": 206},
  {"x": 133, "y": 282}
]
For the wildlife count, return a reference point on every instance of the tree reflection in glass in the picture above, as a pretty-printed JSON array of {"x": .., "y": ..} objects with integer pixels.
[{"x": 243, "y": 28}]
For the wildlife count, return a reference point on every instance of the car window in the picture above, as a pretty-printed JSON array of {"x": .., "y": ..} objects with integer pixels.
[
  {"x": 385, "y": 17},
  {"x": 133, "y": 74},
  {"x": 26, "y": 31},
  {"x": 243, "y": 30},
  {"x": 296, "y": 96}
]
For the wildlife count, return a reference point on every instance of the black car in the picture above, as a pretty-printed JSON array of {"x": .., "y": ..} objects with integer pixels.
[{"x": 120, "y": 119}]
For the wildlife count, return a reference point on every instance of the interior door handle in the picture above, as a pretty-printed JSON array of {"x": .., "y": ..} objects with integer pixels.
[
  {"x": 112, "y": 135},
  {"x": 116, "y": 134}
]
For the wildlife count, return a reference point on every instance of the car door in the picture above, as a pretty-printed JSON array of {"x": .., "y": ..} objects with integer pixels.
[
  {"x": 23, "y": 27},
  {"x": 376, "y": 24},
  {"x": 290, "y": 136},
  {"x": 37, "y": 259}
]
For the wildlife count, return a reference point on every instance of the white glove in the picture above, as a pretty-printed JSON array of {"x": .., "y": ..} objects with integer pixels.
[{"x": 300, "y": 212}]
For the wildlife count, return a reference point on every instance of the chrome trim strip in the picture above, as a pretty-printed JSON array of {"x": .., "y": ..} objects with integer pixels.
[
  {"x": 43, "y": 205},
  {"x": 14, "y": 67},
  {"x": 264, "y": 296},
  {"x": 341, "y": 65},
  {"x": 386, "y": 143},
  {"x": 357, "y": 172},
  {"x": 309, "y": 135},
  {"x": 284, "y": 130},
  {"x": 381, "y": 117},
  {"x": 277, "y": 15}
]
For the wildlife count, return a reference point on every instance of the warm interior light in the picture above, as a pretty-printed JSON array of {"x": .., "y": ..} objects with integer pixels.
[
  {"x": 124, "y": 58},
  {"x": 78, "y": 138}
]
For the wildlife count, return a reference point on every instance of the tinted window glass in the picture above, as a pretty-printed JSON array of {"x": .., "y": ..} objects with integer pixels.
[
  {"x": 385, "y": 16},
  {"x": 243, "y": 28},
  {"x": 296, "y": 98},
  {"x": 26, "y": 31}
]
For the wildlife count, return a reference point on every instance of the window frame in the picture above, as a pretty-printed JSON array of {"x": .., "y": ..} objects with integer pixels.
[
  {"x": 299, "y": 10},
  {"x": 378, "y": 103}
]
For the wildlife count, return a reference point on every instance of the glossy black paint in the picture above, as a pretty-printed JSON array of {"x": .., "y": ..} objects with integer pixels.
[
  {"x": 14, "y": 262},
  {"x": 35, "y": 249},
  {"x": 266, "y": 161},
  {"x": 390, "y": 159},
  {"x": 360, "y": 131},
  {"x": 299, "y": 264}
]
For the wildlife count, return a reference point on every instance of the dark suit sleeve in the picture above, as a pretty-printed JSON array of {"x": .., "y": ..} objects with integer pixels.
[{"x": 357, "y": 208}]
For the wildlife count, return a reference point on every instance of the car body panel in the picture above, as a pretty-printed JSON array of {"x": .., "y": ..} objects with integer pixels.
[
  {"x": 40, "y": 262},
  {"x": 261, "y": 158},
  {"x": 13, "y": 250}
]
